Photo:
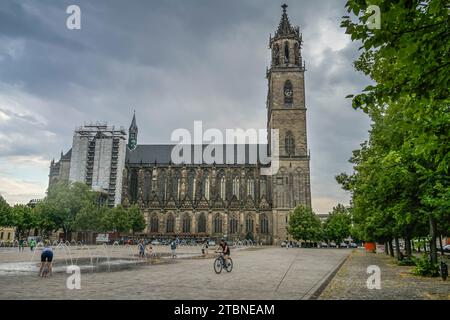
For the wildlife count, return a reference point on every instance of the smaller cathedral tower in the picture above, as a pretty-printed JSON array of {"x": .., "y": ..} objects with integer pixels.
[{"x": 132, "y": 133}]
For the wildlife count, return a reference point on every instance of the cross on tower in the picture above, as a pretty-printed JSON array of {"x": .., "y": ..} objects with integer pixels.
[{"x": 284, "y": 6}]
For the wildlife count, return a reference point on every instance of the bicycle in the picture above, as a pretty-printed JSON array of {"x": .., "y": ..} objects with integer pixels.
[{"x": 219, "y": 264}]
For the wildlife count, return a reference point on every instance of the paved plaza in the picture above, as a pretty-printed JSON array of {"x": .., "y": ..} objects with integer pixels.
[
  {"x": 397, "y": 282},
  {"x": 259, "y": 273}
]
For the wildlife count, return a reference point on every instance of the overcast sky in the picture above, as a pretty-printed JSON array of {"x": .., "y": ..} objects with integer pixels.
[{"x": 173, "y": 61}]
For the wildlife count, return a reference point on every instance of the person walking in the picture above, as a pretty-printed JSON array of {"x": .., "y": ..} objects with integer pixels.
[
  {"x": 21, "y": 244},
  {"x": 173, "y": 247},
  {"x": 205, "y": 248},
  {"x": 141, "y": 248},
  {"x": 32, "y": 244}
]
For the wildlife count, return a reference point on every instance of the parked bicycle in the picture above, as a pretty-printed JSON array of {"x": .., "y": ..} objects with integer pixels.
[{"x": 219, "y": 264}]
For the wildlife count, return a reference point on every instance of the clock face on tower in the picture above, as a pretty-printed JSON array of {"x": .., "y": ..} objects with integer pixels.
[{"x": 288, "y": 93}]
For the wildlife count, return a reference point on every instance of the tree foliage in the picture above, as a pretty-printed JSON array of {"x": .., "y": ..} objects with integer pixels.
[
  {"x": 23, "y": 219},
  {"x": 305, "y": 225},
  {"x": 401, "y": 183},
  {"x": 5, "y": 213},
  {"x": 338, "y": 224}
]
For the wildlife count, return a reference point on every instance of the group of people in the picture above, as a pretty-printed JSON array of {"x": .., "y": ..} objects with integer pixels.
[
  {"x": 22, "y": 242},
  {"x": 144, "y": 249}
]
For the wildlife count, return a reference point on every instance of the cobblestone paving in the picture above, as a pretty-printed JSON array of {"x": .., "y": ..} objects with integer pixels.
[
  {"x": 397, "y": 282},
  {"x": 263, "y": 273}
]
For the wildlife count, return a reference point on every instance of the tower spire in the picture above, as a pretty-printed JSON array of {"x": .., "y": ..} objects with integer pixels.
[
  {"x": 285, "y": 28},
  {"x": 132, "y": 133}
]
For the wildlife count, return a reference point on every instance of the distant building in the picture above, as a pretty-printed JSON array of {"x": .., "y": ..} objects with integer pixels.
[
  {"x": 98, "y": 159},
  {"x": 6, "y": 234},
  {"x": 59, "y": 171}
]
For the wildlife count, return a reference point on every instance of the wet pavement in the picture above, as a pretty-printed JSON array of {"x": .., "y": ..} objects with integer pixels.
[{"x": 258, "y": 273}]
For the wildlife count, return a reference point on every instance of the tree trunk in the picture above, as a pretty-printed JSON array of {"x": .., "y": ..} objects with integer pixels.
[
  {"x": 391, "y": 248},
  {"x": 397, "y": 248},
  {"x": 424, "y": 246},
  {"x": 440, "y": 244},
  {"x": 412, "y": 246},
  {"x": 433, "y": 249},
  {"x": 386, "y": 248},
  {"x": 408, "y": 247}
]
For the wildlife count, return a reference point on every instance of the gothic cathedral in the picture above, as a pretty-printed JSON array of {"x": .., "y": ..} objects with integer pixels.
[{"x": 231, "y": 200}]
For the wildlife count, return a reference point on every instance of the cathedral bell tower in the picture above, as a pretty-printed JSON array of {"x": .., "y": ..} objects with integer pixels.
[{"x": 286, "y": 111}]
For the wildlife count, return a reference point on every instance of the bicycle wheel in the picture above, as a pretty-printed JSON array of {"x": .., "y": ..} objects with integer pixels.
[
  {"x": 218, "y": 265},
  {"x": 229, "y": 266}
]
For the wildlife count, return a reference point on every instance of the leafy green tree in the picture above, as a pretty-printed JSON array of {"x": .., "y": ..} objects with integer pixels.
[
  {"x": 117, "y": 220},
  {"x": 305, "y": 225},
  {"x": 64, "y": 202},
  {"x": 23, "y": 219},
  {"x": 136, "y": 219},
  {"x": 401, "y": 181},
  {"x": 5, "y": 214},
  {"x": 90, "y": 218},
  {"x": 338, "y": 224}
]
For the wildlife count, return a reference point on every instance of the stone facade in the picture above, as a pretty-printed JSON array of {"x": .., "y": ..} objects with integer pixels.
[
  {"x": 59, "y": 171},
  {"x": 234, "y": 200}
]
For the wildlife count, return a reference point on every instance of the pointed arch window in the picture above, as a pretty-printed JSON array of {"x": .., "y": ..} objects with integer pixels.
[
  {"x": 134, "y": 186},
  {"x": 289, "y": 144},
  {"x": 223, "y": 187},
  {"x": 263, "y": 187},
  {"x": 221, "y": 184},
  {"x": 201, "y": 225},
  {"x": 233, "y": 225},
  {"x": 162, "y": 184},
  {"x": 276, "y": 55},
  {"x": 251, "y": 187},
  {"x": 218, "y": 224},
  {"x": 236, "y": 186},
  {"x": 176, "y": 185},
  {"x": 170, "y": 224},
  {"x": 297, "y": 54},
  {"x": 264, "y": 224},
  {"x": 186, "y": 223},
  {"x": 154, "y": 224},
  {"x": 288, "y": 93},
  {"x": 147, "y": 185},
  {"x": 249, "y": 224},
  {"x": 286, "y": 52},
  {"x": 204, "y": 186},
  {"x": 191, "y": 184}
]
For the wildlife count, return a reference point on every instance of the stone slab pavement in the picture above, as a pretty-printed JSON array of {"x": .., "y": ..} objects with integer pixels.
[
  {"x": 258, "y": 273},
  {"x": 397, "y": 282}
]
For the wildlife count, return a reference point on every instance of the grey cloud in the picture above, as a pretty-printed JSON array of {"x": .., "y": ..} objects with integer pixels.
[{"x": 173, "y": 61}]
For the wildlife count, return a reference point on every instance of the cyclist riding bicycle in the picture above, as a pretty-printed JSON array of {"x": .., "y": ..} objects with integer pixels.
[{"x": 225, "y": 251}]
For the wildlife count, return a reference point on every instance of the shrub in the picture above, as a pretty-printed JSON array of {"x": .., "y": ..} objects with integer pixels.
[
  {"x": 424, "y": 267},
  {"x": 411, "y": 261}
]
